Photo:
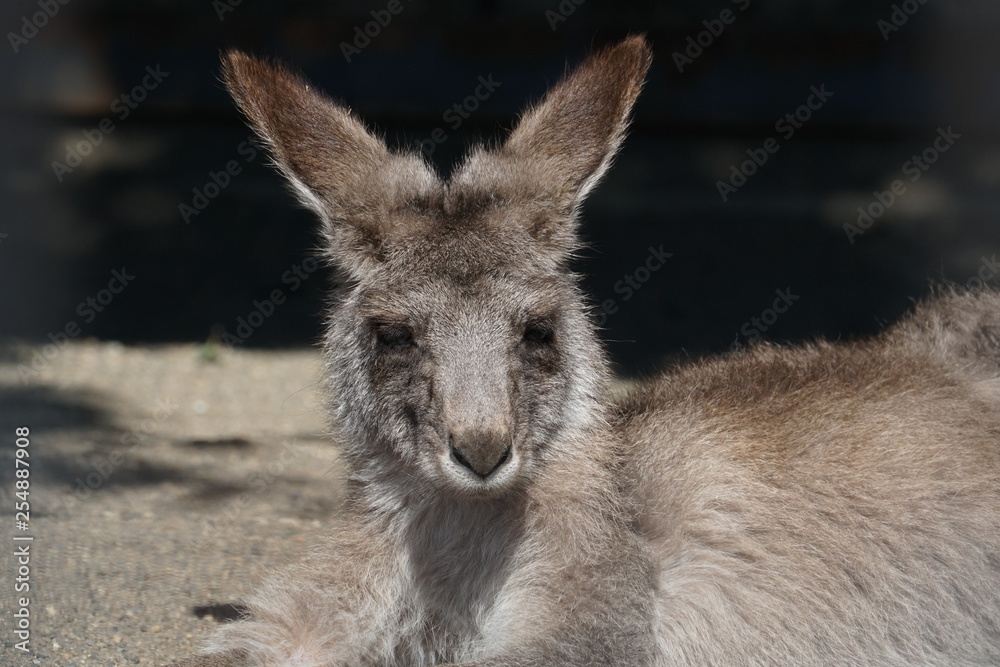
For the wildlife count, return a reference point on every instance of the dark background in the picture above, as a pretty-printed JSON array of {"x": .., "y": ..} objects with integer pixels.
[{"x": 782, "y": 230}]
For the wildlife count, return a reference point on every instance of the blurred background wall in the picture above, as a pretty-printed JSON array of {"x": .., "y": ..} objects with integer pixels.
[{"x": 809, "y": 166}]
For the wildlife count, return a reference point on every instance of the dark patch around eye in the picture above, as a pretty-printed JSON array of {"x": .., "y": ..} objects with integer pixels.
[
  {"x": 538, "y": 345},
  {"x": 394, "y": 336},
  {"x": 540, "y": 332}
]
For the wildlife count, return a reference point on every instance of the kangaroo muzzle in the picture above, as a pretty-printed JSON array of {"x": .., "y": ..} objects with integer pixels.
[{"x": 481, "y": 451}]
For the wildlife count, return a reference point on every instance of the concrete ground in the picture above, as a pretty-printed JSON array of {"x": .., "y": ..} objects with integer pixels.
[{"x": 163, "y": 483}]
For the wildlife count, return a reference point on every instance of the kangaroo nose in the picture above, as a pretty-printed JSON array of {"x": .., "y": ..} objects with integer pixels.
[{"x": 482, "y": 452}]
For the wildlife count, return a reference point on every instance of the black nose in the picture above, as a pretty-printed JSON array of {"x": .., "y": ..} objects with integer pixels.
[{"x": 482, "y": 452}]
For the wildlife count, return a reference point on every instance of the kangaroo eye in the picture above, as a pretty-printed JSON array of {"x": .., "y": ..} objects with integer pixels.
[
  {"x": 394, "y": 336},
  {"x": 540, "y": 332}
]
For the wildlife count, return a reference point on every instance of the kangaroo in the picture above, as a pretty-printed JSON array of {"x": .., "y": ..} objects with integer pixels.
[{"x": 824, "y": 504}]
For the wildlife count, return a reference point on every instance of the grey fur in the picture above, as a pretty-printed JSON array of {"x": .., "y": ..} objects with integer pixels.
[{"x": 830, "y": 504}]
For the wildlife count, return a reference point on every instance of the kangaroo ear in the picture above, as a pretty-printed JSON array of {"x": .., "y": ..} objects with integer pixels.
[
  {"x": 336, "y": 167},
  {"x": 572, "y": 136},
  {"x": 561, "y": 147}
]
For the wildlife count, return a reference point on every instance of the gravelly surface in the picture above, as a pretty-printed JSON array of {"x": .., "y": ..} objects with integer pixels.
[{"x": 205, "y": 474}]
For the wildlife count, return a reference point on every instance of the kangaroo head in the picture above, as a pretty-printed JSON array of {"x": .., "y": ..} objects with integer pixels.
[{"x": 459, "y": 347}]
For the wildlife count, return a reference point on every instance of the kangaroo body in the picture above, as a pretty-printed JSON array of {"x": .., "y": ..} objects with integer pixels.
[{"x": 820, "y": 505}]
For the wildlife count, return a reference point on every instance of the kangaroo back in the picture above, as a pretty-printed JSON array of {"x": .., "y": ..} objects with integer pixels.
[{"x": 829, "y": 504}]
